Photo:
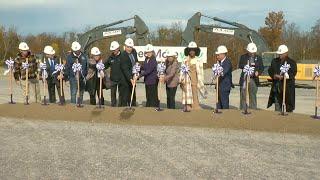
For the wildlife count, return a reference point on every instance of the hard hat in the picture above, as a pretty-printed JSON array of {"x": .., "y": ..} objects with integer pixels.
[
  {"x": 252, "y": 47},
  {"x": 149, "y": 48},
  {"x": 171, "y": 53},
  {"x": 114, "y": 45},
  {"x": 95, "y": 51},
  {"x": 23, "y": 46},
  {"x": 222, "y": 50},
  {"x": 49, "y": 50},
  {"x": 192, "y": 45},
  {"x": 129, "y": 42},
  {"x": 282, "y": 49},
  {"x": 75, "y": 46}
]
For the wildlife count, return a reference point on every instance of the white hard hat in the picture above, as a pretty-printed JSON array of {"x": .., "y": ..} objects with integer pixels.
[
  {"x": 23, "y": 46},
  {"x": 129, "y": 42},
  {"x": 282, "y": 49},
  {"x": 192, "y": 45},
  {"x": 114, "y": 45},
  {"x": 95, "y": 51},
  {"x": 75, "y": 46},
  {"x": 252, "y": 47},
  {"x": 149, "y": 48},
  {"x": 49, "y": 50},
  {"x": 171, "y": 53},
  {"x": 222, "y": 50}
]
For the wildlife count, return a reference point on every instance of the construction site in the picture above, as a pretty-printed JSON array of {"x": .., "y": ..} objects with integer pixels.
[{"x": 44, "y": 140}]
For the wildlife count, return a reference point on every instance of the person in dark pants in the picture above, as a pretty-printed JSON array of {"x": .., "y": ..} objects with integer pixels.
[
  {"x": 126, "y": 79},
  {"x": 225, "y": 81},
  {"x": 171, "y": 78},
  {"x": 150, "y": 75},
  {"x": 114, "y": 63},
  {"x": 52, "y": 81},
  {"x": 131, "y": 54},
  {"x": 256, "y": 62},
  {"x": 276, "y": 92},
  {"x": 92, "y": 78}
]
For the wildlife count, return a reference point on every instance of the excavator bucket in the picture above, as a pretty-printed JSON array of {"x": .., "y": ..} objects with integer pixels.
[
  {"x": 188, "y": 33},
  {"x": 142, "y": 30}
]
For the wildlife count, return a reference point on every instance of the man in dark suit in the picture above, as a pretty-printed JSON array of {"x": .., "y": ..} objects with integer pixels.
[
  {"x": 127, "y": 61},
  {"x": 256, "y": 62},
  {"x": 51, "y": 61},
  {"x": 225, "y": 81}
]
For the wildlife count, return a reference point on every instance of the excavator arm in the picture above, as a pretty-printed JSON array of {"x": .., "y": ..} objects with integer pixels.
[
  {"x": 236, "y": 30},
  {"x": 108, "y": 30}
]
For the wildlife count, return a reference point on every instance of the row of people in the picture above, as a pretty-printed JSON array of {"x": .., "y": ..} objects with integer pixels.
[{"x": 122, "y": 79}]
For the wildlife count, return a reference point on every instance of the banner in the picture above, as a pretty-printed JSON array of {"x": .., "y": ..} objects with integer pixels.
[{"x": 160, "y": 52}]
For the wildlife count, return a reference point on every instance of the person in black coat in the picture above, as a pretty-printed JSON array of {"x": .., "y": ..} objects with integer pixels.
[
  {"x": 126, "y": 80},
  {"x": 276, "y": 92},
  {"x": 131, "y": 54},
  {"x": 256, "y": 62},
  {"x": 115, "y": 72},
  {"x": 225, "y": 81}
]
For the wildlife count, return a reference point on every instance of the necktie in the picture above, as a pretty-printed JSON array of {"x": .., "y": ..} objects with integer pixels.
[
  {"x": 52, "y": 65},
  {"x": 132, "y": 59}
]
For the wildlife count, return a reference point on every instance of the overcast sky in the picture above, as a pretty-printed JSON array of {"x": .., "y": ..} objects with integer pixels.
[{"x": 35, "y": 16}]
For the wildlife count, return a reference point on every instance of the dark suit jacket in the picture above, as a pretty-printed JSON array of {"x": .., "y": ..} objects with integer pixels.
[
  {"x": 258, "y": 64},
  {"x": 225, "y": 81},
  {"x": 52, "y": 78},
  {"x": 126, "y": 67}
]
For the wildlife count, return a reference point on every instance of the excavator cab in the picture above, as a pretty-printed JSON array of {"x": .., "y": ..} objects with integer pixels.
[
  {"x": 234, "y": 29},
  {"x": 139, "y": 28}
]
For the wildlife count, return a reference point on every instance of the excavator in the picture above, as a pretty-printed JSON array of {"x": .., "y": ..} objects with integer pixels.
[
  {"x": 244, "y": 33},
  {"x": 139, "y": 28}
]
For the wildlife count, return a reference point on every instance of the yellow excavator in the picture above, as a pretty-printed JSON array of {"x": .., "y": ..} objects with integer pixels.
[{"x": 242, "y": 32}]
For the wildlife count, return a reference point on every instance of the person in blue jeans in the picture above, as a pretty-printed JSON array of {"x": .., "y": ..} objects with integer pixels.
[{"x": 72, "y": 58}]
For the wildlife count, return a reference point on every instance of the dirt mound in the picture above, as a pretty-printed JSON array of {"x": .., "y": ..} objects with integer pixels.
[{"x": 260, "y": 120}]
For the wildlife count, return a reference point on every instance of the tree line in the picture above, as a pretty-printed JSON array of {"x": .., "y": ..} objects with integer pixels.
[{"x": 304, "y": 44}]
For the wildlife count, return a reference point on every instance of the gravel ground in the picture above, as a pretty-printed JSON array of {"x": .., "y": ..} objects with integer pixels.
[{"x": 64, "y": 150}]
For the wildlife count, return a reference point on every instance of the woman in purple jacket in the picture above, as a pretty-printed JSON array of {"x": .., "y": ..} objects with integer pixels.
[{"x": 149, "y": 71}]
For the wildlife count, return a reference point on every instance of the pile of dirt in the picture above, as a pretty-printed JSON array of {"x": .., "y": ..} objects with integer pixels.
[{"x": 259, "y": 120}]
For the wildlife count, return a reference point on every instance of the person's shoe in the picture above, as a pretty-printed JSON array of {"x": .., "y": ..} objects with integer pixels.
[{"x": 185, "y": 110}]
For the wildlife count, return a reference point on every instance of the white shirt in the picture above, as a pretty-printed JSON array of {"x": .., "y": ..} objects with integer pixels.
[{"x": 223, "y": 60}]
